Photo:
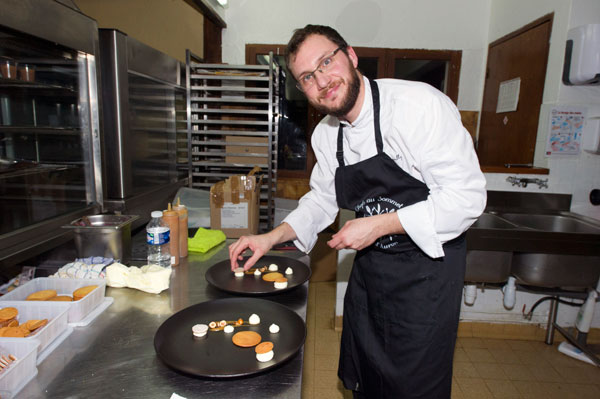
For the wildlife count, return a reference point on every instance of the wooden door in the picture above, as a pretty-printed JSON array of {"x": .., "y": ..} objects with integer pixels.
[{"x": 509, "y": 137}]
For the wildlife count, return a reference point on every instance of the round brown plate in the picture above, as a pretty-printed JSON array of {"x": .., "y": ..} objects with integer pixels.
[
  {"x": 220, "y": 275},
  {"x": 215, "y": 355}
]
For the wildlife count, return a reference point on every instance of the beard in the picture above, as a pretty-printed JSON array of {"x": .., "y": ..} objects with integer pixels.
[{"x": 348, "y": 101}]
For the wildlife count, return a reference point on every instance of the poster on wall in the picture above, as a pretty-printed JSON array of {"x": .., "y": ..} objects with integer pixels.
[{"x": 565, "y": 131}]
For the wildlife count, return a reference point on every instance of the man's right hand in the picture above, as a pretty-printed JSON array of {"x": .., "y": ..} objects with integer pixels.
[{"x": 259, "y": 245}]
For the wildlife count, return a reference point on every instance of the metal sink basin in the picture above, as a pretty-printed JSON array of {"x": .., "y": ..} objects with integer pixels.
[
  {"x": 552, "y": 223},
  {"x": 551, "y": 249},
  {"x": 490, "y": 221},
  {"x": 559, "y": 269},
  {"x": 489, "y": 266}
]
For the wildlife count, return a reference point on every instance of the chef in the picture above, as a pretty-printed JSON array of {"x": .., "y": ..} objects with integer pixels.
[{"x": 395, "y": 153}]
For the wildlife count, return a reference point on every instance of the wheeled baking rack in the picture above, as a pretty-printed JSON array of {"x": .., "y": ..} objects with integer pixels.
[{"x": 232, "y": 125}]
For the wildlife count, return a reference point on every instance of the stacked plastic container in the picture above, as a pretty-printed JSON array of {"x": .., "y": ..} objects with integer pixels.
[{"x": 62, "y": 317}]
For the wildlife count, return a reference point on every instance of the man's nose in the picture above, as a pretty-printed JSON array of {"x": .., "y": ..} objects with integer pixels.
[{"x": 322, "y": 79}]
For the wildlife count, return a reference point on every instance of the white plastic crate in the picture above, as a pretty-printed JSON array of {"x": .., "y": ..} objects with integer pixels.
[
  {"x": 55, "y": 312},
  {"x": 78, "y": 310},
  {"x": 20, "y": 372}
]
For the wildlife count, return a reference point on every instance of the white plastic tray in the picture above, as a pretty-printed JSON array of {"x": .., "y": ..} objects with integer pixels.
[
  {"x": 20, "y": 372},
  {"x": 55, "y": 312},
  {"x": 78, "y": 310}
]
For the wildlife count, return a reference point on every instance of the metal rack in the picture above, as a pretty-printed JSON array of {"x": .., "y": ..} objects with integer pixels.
[{"x": 232, "y": 125}]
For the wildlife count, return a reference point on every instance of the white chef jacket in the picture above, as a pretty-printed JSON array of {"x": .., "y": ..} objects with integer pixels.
[{"x": 422, "y": 132}]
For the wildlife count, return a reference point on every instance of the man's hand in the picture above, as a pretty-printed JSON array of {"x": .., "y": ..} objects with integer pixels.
[
  {"x": 259, "y": 245},
  {"x": 362, "y": 232}
]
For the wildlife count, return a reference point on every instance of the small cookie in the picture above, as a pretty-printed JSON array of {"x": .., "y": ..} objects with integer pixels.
[
  {"x": 62, "y": 298},
  {"x": 281, "y": 283},
  {"x": 42, "y": 295},
  {"x": 199, "y": 330},
  {"x": 273, "y": 328},
  {"x": 273, "y": 267},
  {"x": 83, "y": 291},
  {"x": 264, "y": 351},
  {"x": 8, "y": 313},
  {"x": 246, "y": 339},
  {"x": 7, "y": 323},
  {"x": 33, "y": 324},
  {"x": 264, "y": 347},
  {"x": 15, "y": 332},
  {"x": 239, "y": 272},
  {"x": 272, "y": 276}
]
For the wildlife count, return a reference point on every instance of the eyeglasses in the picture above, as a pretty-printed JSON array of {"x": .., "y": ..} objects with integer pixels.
[{"x": 306, "y": 81}]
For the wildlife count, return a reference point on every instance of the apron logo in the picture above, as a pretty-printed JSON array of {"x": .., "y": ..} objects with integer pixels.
[{"x": 379, "y": 206}]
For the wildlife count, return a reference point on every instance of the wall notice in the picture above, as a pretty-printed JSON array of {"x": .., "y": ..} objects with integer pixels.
[{"x": 566, "y": 129}]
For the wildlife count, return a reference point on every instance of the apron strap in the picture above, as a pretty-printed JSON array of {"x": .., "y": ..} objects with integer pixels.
[
  {"x": 339, "y": 154},
  {"x": 375, "y": 94}
]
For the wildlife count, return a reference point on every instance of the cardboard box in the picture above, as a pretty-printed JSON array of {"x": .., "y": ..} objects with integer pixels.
[
  {"x": 230, "y": 147},
  {"x": 234, "y": 205},
  {"x": 323, "y": 259}
]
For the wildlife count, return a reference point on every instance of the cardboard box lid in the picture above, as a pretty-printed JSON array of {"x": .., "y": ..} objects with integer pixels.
[{"x": 236, "y": 188}]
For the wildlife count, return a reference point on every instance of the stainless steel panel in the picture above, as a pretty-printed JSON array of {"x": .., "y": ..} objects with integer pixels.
[
  {"x": 52, "y": 21},
  {"x": 143, "y": 104}
]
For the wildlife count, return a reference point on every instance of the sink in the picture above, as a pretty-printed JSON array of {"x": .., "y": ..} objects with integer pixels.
[
  {"x": 552, "y": 223},
  {"x": 559, "y": 269},
  {"x": 489, "y": 266},
  {"x": 556, "y": 270},
  {"x": 490, "y": 221},
  {"x": 552, "y": 249}
]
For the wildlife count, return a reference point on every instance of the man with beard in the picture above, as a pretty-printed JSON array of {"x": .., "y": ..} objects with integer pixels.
[{"x": 396, "y": 153}]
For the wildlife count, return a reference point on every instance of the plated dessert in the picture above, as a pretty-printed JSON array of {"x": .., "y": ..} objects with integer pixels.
[{"x": 243, "y": 339}]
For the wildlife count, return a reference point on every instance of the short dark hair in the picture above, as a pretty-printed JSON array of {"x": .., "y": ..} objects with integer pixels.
[{"x": 300, "y": 35}]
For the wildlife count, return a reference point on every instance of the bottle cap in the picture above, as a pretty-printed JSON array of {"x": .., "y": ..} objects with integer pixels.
[{"x": 156, "y": 214}]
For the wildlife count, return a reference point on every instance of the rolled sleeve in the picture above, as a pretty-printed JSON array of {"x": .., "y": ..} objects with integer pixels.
[
  {"x": 318, "y": 208},
  {"x": 417, "y": 223}
]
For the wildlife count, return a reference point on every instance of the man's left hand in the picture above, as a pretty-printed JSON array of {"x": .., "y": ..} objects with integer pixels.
[{"x": 362, "y": 232}]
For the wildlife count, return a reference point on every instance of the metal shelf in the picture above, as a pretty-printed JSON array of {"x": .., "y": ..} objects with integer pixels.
[{"x": 233, "y": 105}]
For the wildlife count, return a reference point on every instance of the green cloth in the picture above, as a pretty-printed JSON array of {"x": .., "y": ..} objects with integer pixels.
[{"x": 205, "y": 239}]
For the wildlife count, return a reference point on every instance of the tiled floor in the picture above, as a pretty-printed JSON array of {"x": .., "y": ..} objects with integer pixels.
[{"x": 483, "y": 368}]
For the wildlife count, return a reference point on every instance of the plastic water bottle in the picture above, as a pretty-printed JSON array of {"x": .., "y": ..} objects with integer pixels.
[{"x": 157, "y": 238}]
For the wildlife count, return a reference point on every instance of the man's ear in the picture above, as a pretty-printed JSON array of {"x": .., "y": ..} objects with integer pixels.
[{"x": 352, "y": 55}]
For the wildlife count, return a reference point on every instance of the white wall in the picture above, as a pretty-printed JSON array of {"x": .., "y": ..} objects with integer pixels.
[
  {"x": 467, "y": 25},
  {"x": 425, "y": 24},
  {"x": 579, "y": 174}
]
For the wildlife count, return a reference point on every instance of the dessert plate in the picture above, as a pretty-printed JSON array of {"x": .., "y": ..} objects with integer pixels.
[
  {"x": 220, "y": 275},
  {"x": 215, "y": 355}
]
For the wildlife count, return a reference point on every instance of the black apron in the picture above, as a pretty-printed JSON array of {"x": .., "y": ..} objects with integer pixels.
[{"x": 401, "y": 307}]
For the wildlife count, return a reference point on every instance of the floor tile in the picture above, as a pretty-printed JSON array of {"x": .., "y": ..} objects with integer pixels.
[
  {"x": 502, "y": 389},
  {"x": 484, "y": 368},
  {"x": 490, "y": 371},
  {"x": 480, "y": 355}
]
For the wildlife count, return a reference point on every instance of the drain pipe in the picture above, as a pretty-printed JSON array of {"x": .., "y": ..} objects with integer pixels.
[
  {"x": 470, "y": 294},
  {"x": 510, "y": 293}
]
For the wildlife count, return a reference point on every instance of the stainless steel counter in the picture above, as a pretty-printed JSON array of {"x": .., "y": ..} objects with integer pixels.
[{"x": 114, "y": 356}]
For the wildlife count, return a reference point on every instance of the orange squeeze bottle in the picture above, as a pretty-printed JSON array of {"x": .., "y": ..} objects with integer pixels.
[
  {"x": 183, "y": 228},
  {"x": 171, "y": 218}
]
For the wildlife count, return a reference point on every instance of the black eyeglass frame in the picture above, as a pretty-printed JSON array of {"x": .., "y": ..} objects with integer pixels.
[{"x": 318, "y": 68}]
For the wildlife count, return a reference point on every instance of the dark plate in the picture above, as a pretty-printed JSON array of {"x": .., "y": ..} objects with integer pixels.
[
  {"x": 215, "y": 355},
  {"x": 221, "y": 276}
]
